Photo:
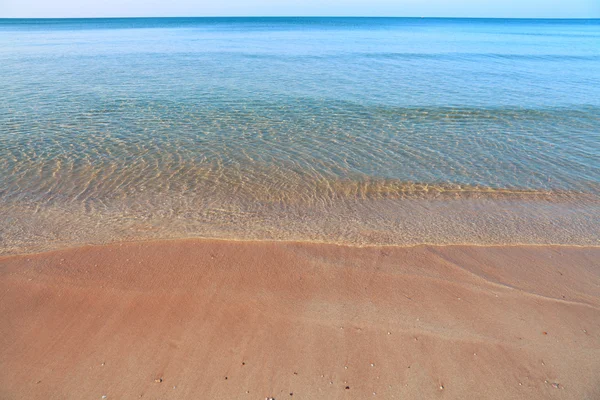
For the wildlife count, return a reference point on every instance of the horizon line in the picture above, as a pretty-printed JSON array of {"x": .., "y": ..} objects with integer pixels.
[{"x": 306, "y": 16}]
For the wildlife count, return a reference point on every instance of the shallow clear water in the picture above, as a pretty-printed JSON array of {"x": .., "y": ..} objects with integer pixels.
[{"x": 395, "y": 131}]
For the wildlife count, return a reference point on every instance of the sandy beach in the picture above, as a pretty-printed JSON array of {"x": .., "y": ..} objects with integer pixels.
[
  {"x": 210, "y": 319},
  {"x": 267, "y": 200}
]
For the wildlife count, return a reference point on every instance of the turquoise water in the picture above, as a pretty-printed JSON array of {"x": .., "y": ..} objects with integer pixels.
[{"x": 351, "y": 130}]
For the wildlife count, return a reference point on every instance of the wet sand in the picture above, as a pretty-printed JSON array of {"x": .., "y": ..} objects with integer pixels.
[{"x": 208, "y": 319}]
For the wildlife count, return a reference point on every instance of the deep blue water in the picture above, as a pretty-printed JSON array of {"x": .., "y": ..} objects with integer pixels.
[{"x": 210, "y": 120}]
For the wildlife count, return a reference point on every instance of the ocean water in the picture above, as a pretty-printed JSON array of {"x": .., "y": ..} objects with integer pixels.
[{"x": 346, "y": 130}]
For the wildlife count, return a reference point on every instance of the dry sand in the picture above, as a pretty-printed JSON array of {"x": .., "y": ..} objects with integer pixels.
[{"x": 203, "y": 319}]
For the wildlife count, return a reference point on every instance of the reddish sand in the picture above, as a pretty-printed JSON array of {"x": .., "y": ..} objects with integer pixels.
[{"x": 201, "y": 319}]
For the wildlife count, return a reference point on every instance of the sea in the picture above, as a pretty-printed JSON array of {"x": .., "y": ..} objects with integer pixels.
[{"x": 354, "y": 131}]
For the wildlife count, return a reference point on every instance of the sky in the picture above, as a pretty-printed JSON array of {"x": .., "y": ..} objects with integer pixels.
[{"x": 408, "y": 8}]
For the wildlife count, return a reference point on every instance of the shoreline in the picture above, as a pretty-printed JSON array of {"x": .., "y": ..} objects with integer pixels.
[
  {"x": 288, "y": 242},
  {"x": 38, "y": 228},
  {"x": 202, "y": 318}
]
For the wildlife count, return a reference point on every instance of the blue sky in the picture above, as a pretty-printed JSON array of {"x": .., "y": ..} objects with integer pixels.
[{"x": 433, "y": 8}]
